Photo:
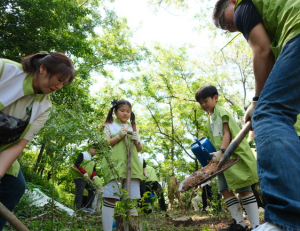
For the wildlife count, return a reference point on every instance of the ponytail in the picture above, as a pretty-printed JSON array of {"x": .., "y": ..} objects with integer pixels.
[
  {"x": 132, "y": 118},
  {"x": 55, "y": 63}
]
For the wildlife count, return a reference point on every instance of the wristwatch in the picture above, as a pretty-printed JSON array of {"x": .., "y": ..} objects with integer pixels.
[{"x": 223, "y": 150}]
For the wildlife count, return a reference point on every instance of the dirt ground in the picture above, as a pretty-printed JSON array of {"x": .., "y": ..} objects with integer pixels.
[{"x": 200, "y": 221}]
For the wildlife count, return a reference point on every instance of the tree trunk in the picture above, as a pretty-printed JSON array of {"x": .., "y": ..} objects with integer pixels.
[{"x": 39, "y": 158}]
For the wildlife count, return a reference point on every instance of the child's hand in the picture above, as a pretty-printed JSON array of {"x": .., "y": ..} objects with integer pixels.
[
  {"x": 217, "y": 156},
  {"x": 135, "y": 137},
  {"x": 86, "y": 176},
  {"x": 122, "y": 133}
]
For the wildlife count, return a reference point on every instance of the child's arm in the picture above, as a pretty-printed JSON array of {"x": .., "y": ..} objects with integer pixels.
[
  {"x": 226, "y": 136},
  {"x": 217, "y": 156},
  {"x": 112, "y": 140}
]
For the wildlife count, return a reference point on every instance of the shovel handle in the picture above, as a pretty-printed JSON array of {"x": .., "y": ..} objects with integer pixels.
[
  {"x": 235, "y": 143},
  {"x": 15, "y": 222}
]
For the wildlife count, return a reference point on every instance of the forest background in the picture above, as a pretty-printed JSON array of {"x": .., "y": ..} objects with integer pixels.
[{"x": 159, "y": 80}]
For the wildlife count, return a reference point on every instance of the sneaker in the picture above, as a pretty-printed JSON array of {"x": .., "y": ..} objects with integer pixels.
[
  {"x": 267, "y": 227},
  {"x": 88, "y": 210},
  {"x": 234, "y": 227}
]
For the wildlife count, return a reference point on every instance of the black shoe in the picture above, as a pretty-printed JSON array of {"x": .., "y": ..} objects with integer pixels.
[{"x": 234, "y": 227}]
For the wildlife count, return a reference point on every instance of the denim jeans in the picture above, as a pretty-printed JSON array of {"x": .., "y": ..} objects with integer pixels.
[
  {"x": 11, "y": 190},
  {"x": 277, "y": 143}
]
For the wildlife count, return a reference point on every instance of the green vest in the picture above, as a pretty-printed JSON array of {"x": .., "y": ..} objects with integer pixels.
[
  {"x": 88, "y": 165},
  {"x": 297, "y": 125},
  {"x": 98, "y": 181},
  {"x": 244, "y": 172},
  {"x": 85, "y": 193},
  {"x": 40, "y": 105},
  {"x": 151, "y": 173},
  {"x": 280, "y": 19},
  {"x": 119, "y": 157}
]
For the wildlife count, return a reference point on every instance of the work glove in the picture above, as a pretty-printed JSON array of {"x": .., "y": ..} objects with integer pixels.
[
  {"x": 86, "y": 176},
  {"x": 122, "y": 133},
  {"x": 249, "y": 113},
  {"x": 217, "y": 156},
  {"x": 147, "y": 176},
  {"x": 94, "y": 178},
  {"x": 101, "y": 188},
  {"x": 135, "y": 137}
]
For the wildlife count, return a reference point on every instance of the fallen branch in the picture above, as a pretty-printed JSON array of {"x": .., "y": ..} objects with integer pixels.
[{"x": 39, "y": 216}]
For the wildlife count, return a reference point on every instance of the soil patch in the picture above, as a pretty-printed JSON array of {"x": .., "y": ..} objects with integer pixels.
[{"x": 205, "y": 174}]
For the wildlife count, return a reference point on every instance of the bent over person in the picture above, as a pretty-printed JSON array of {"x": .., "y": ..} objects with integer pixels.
[
  {"x": 272, "y": 28},
  {"x": 87, "y": 167},
  {"x": 24, "y": 107}
]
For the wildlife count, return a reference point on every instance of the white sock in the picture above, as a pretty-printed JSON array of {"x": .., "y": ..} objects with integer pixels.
[
  {"x": 235, "y": 210},
  {"x": 250, "y": 205},
  {"x": 134, "y": 212},
  {"x": 108, "y": 215}
]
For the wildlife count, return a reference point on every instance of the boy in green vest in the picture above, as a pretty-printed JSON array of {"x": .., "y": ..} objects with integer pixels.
[
  {"x": 222, "y": 129},
  {"x": 272, "y": 28}
]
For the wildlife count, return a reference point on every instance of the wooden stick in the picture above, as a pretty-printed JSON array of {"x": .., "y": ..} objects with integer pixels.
[
  {"x": 76, "y": 169},
  {"x": 129, "y": 164},
  {"x": 12, "y": 219}
]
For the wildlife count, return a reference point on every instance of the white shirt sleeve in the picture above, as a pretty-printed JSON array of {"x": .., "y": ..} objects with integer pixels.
[
  {"x": 36, "y": 126},
  {"x": 106, "y": 132}
]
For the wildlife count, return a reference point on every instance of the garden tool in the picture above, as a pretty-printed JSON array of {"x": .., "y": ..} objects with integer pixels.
[
  {"x": 214, "y": 168},
  {"x": 77, "y": 170},
  {"x": 12, "y": 219},
  {"x": 129, "y": 160}
]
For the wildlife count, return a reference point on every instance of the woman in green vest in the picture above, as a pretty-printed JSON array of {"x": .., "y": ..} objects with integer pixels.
[
  {"x": 272, "y": 28},
  {"x": 24, "y": 108}
]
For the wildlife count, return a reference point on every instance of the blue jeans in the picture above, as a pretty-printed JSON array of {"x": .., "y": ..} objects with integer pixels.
[
  {"x": 277, "y": 143},
  {"x": 11, "y": 190}
]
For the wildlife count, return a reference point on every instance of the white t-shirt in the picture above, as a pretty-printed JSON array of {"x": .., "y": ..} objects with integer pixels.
[
  {"x": 18, "y": 110},
  {"x": 217, "y": 127}
]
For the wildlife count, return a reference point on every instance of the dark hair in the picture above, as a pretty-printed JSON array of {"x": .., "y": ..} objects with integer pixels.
[
  {"x": 55, "y": 63},
  {"x": 93, "y": 145},
  {"x": 206, "y": 91},
  {"x": 217, "y": 9},
  {"x": 116, "y": 105}
]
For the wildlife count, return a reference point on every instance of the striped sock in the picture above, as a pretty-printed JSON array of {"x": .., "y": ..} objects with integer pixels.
[
  {"x": 107, "y": 215},
  {"x": 250, "y": 205},
  {"x": 235, "y": 210}
]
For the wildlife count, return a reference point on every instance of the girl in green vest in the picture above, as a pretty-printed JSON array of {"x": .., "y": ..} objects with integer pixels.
[
  {"x": 24, "y": 108},
  {"x": 115, "y": 130},
  {"x": 222, "y": 129}
]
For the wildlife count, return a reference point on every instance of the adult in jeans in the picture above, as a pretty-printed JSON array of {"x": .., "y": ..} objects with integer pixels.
[
  {"x": 272, "y": 28},
  {"x": 24, "y": 89},
  {"x": 83, "y": 180}
]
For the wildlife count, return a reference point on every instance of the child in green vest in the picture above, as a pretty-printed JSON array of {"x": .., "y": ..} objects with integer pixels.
[
  {"x": 115, "y": 130},
  {"x": 85, "y": 164},
  {"x": 222, "y": 129}
]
